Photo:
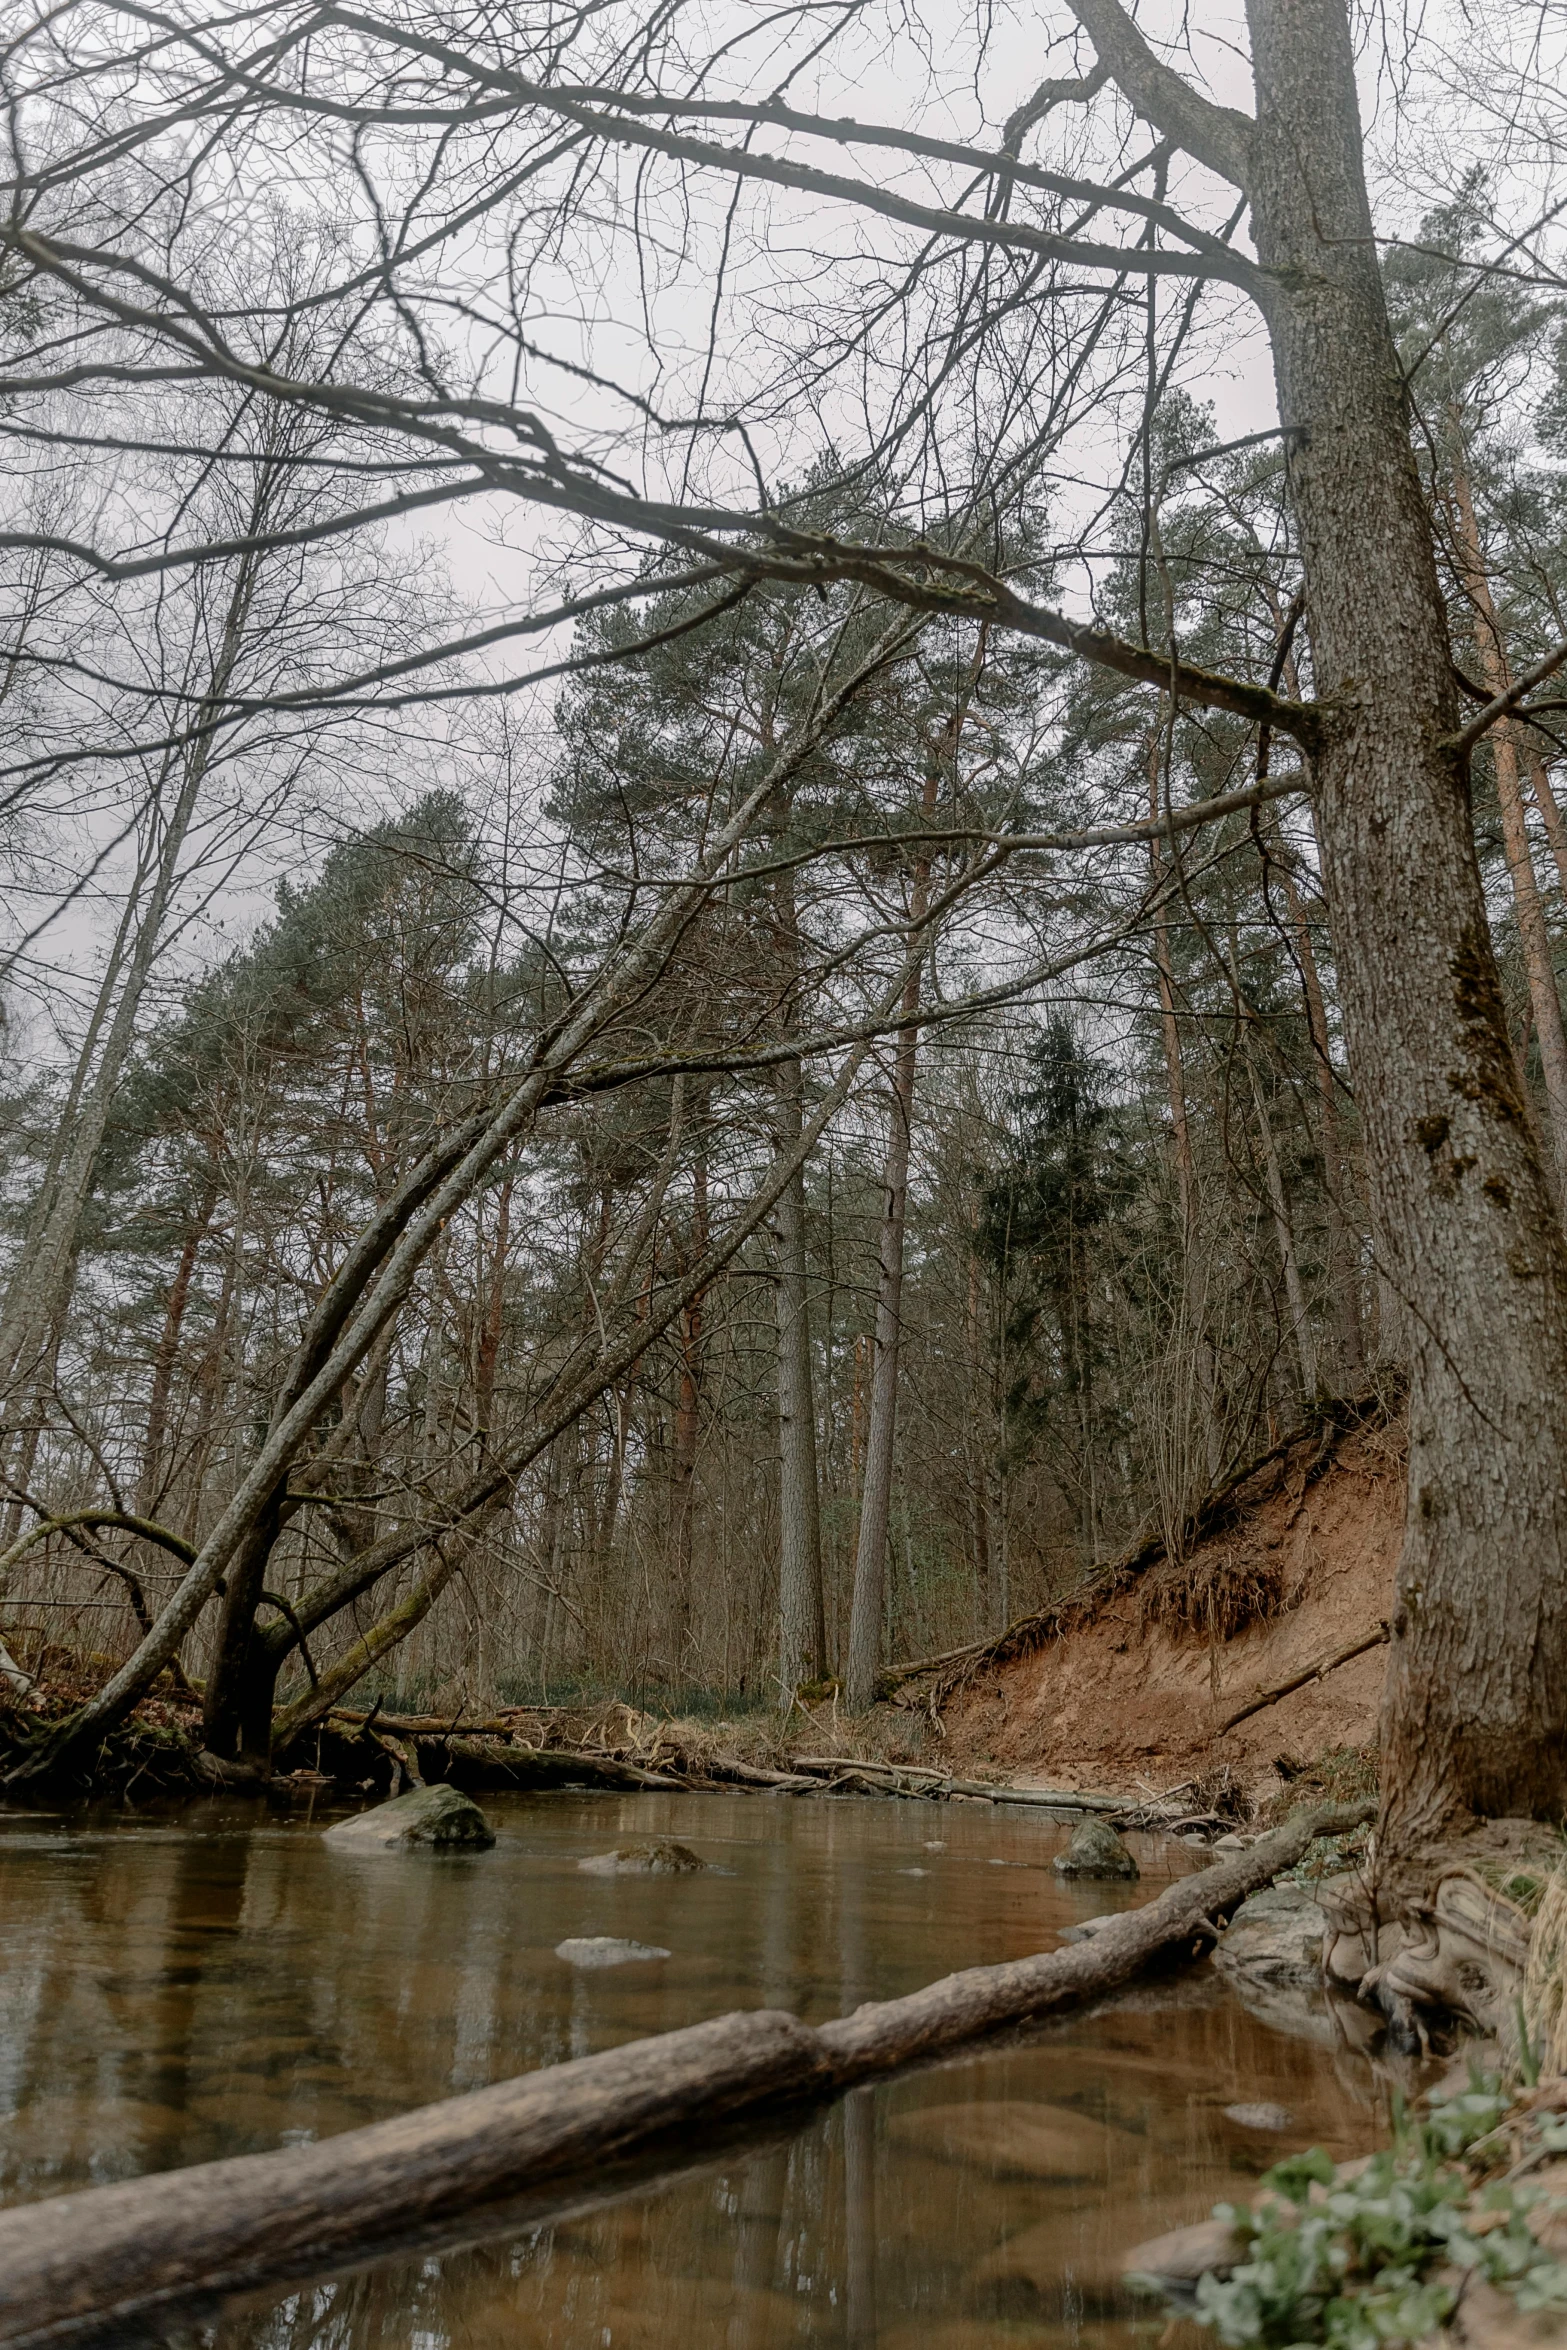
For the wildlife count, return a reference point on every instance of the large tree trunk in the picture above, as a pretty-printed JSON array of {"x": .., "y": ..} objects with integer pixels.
[{"x": 1465, "y": 1225}]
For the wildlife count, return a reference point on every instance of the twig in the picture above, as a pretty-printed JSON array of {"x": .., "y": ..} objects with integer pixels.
[{"x": 1329, "y": 1664}]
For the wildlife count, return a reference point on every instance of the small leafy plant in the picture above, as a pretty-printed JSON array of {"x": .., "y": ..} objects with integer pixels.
[{"x": 1359, "y": 2259}]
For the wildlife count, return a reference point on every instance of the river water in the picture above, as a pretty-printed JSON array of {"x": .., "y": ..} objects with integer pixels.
[{"x": 176, "y": 1986}]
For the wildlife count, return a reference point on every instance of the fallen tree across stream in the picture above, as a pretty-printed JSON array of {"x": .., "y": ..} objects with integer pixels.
[{"x": 108, "y": 2257}]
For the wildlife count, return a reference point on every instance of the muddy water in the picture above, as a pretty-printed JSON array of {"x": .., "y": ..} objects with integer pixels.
[{"x": 217, "y": 1981}]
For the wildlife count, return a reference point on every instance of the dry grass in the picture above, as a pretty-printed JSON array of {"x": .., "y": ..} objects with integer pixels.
[{"x": 1545, "y": 1980}]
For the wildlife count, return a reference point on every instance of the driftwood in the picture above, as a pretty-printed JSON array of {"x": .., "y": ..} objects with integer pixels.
[
  {"x": 111, "y": 2256},
  {"x": 1329, "y": 1664},
  {"x": 500, "y": 1762},
  {"x": 491, "y": 1754},
  {"x": 914, "y": 1779}
]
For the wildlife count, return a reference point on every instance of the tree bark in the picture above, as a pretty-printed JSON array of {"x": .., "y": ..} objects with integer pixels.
[
  {"x": 803, "y": 1645},
  {"x": 1534, "y": 938},
  {"x": 1476, "y": 1706},
  {"x": 1343, "y": 1275},
  {"x": 868, "y": 1604},
  {"x": 1467, "y": 1233}
]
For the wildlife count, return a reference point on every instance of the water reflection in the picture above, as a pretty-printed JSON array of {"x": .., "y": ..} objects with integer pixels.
[{"x": 220, "y": 1982}]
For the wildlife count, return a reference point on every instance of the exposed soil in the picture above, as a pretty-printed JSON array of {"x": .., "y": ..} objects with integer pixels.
[{"x": 1126, "y": 1687}]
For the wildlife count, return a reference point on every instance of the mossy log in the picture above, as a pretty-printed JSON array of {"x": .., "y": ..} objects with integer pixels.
[{"x": 114, "y": 2255}]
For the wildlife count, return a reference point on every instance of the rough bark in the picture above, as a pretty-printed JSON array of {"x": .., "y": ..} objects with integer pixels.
[
  {"x": 1534, "y": 938},
  {"x": 1343, "y": 1276},
  {"x": 1463, "y": 1217},
  {"x": 118, "y": 2253}
]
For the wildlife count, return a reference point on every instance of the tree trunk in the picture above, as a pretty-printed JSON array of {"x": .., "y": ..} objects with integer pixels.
[
  {"x": 236, "y": 1712},
  {"x": 1343, "y": 1275},
  {"x": 687, "y": 1434},
  {"x": 1532, "y": 933},
  {"x": 150, "y": 1483},
  {"x": 870, "y": 1558},
  {"x": 1283, "y": 1223},
  {"x": 39, "y": 1295},
  {"x": 1476, "y": 1705},
  {"x": 1549, "y": 806},
  {"x": 868, "y": 1604},
  {"x": 803, "y": 1647}
]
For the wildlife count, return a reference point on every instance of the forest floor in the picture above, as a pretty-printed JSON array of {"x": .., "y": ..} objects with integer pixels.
[{"x": 1126, "y": 1688}]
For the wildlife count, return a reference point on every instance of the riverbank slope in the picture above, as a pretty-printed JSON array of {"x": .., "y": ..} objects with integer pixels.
[{"x": 1129, "y": 1685}]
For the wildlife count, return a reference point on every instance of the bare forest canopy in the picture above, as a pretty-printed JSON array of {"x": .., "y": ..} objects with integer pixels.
[{"x": 782, "y": 795}]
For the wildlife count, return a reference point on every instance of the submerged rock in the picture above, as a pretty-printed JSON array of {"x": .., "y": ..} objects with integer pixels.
[
  {"x": 437, "y": 1816},
  {"x": 645, "y": 1860},
  {"x": 1095, "y": 1851},
  {"x": 1014, "y": 2138},
  {"x": 1087, "y": 1928},
  {"x": 1185, "y": 2254},
  {"x": 591, "y": 1950},
  {"x": 1276, "y": 1937},
  {"x": 1260, "y": 2117}
]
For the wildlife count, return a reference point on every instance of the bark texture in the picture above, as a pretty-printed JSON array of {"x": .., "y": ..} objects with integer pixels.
[
  {"x": 1464, "y": 1221},
  {"x": 803, "y": 1646}
]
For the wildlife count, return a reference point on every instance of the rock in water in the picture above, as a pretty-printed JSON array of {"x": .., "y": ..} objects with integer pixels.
[
  {"x": 1095, "y": 1851},
  {"x": 645, "y": 1860},
  {"x": 592, "y": 1950},
  {"x": 1260, "y": 2117},
  {"x": 437, "y": 1816},
  {"x": 1275, "y": 1937}
]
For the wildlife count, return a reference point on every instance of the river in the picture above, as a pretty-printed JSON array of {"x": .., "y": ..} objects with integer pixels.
[{"x": 180, "y": 1985}]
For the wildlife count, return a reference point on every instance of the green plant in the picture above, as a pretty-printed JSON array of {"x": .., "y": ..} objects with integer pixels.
[{"x": 1355, "y": 2258}]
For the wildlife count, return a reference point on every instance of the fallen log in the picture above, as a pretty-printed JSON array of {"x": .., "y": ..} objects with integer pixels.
[
  {"x": 109, "y": 2256},
  {"x": 729, "y": 1766},
  {"x": 940, "y": 1783},
  {"x": 539, "y": 1766},
  {"x": 1329, "y": 1664}
]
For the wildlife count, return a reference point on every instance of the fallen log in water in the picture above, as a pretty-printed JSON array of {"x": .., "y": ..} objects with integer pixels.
[{"x": 111, "y": 2255}]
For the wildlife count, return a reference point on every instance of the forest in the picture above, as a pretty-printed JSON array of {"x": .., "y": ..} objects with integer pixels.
[{"x": 706, "y": 1000}]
